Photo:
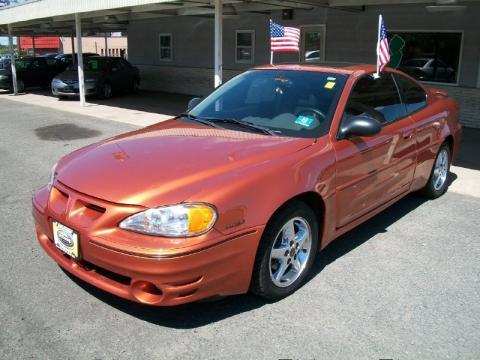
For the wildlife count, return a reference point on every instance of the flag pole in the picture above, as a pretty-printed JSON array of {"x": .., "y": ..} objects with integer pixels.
[
  {"x": 271, "y": 51},
  {"x": 377, "y": 74}
]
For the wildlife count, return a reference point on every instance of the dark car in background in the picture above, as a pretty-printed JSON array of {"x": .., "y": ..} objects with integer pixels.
[
  {"x": 5, "y": 60},
  {"x": 31, "y": 71},
  {"x": 5, "y": 63},
  {"x": 428, "y": 69},
  {"x": 67, "y": 58},
  {"x": 103, "y": 77}
]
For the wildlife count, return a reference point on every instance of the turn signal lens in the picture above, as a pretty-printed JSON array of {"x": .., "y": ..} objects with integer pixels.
[
  {"x": 199, "y": 218},
  {"x": 182, "y": 220}
]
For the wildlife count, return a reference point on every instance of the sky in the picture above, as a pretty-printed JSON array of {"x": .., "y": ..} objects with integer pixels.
[{"x": 4, "y": 40}]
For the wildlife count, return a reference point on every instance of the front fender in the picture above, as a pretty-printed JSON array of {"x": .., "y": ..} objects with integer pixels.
[{"x": 249, "y": 197}]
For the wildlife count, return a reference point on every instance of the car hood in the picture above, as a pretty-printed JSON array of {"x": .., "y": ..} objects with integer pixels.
[
  {"x": 168, "y": 162},
  {"x": 70, "y": 75}
]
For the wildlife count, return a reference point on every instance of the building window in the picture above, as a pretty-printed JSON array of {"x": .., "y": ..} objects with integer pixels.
[
  {"x": 165, "y": 47},
  {"x": 245, "y": 46},
  {"x": 427, "y": 56}
]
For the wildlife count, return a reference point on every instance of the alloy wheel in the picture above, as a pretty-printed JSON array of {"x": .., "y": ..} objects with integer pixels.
[
  {"x": 290, "y": 252},
  {"x": 440, "y": 171}
]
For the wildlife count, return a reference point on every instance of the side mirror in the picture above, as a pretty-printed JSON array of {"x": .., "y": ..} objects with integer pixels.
[
  {"x": 360, "y": 125},
  {"x": 193, "y": 102}
]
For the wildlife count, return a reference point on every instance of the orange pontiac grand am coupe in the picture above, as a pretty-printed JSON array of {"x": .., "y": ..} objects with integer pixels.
[{"x": 243, "y": 190}]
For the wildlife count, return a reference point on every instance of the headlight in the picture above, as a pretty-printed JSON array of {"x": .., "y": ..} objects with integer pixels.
[
  {"x": 182, "y": 220},
  {"x": 53, "y": 176}
]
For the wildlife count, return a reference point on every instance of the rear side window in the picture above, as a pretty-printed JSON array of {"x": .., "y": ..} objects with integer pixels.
[
  {"x": 413, "y": 95},
  {"x": 378, "y": 98}
]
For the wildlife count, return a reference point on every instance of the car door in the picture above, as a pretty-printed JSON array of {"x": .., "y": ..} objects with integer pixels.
[
  {"x": 428, "y": 124},
  {"x": 39, "y": 72},
  {"x": 373, "y": 170},
  {"x": 119, "y": 75},
  {"x": 129, "y": 74}
]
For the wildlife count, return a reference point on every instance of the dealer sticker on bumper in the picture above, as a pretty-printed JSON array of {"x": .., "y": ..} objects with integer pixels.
[{"x": 65, "y": 239}]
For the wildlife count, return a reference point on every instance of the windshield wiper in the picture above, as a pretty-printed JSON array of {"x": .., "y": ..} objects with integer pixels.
[
  {"x": 245, "y": 124},
  {"x": 197, "y": 119}
]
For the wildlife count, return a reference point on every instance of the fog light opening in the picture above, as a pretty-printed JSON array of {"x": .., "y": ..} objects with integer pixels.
[{"x": 146, "y": 292}]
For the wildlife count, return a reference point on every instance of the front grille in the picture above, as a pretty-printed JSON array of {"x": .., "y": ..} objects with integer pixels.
[
  {"x": 95, "y": 208},
  {"x": 105, "y": 273}
]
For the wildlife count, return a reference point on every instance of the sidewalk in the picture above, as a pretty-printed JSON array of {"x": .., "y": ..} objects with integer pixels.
[{"x": 142, "y": 109}]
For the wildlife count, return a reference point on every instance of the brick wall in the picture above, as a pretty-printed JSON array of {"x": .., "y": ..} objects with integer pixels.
[
  {"x": 180, "y": 80},
  {"x": 469, "y": 101}
]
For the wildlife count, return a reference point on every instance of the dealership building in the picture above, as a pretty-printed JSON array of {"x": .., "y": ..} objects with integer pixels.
[{"x": 190, "y": 47}]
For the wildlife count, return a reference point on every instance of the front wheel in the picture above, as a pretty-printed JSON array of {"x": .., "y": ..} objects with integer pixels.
[
  {"x": 286, "y": 252},
  {"x": 437, "y": 183}
]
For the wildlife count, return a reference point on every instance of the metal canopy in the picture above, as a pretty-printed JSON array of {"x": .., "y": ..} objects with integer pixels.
[{"x": 60, "y": 21}]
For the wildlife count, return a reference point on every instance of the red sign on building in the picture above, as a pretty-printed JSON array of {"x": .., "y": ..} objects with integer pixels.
[{"x": 41, "y": 42}]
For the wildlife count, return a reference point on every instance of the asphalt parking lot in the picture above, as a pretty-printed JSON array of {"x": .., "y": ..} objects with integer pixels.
[{"x": 405, "y": 285}]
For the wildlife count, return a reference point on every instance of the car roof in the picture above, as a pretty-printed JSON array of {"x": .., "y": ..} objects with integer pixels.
[
  {"x": 421, "y": 58},
  {"x": 330, "y": 67},
  {"x": 105, "y": 57}
]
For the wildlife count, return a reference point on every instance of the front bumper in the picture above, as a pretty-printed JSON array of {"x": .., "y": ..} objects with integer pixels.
[
  {"x": 72, "y": 90},
  {"x": 5, "y": 84},
  {"x": 111, "y": 261}
]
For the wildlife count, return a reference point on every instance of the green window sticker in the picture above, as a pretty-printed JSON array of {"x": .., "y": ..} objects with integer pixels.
[{"x": 304, "y": 121}]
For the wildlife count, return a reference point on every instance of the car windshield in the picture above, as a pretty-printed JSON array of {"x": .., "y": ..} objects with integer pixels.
[
  {"x": 287, "y": 102},
  {"x": 96, "y": 64},
  {"x": 23, "y": 63}
]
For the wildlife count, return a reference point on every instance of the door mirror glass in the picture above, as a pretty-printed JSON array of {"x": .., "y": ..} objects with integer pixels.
[
  {"x": 193, "y": 102},
  {"x": 361, "y": 125}
]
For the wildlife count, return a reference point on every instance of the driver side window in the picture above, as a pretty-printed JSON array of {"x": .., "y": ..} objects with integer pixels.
[{"x": 378, "y": 98}]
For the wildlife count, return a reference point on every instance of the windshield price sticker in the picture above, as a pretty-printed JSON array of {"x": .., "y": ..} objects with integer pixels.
[
  {"x": 329, "y": 85},
  {"x": 304, "y": 121}
]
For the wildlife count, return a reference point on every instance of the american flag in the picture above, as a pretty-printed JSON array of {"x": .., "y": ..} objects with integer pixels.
[
  {"x": 284, "y": 39},
  {"x": 383, "y": 50}
]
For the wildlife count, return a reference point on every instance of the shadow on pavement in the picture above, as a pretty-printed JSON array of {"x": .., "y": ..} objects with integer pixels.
[
  {"x": 364, "y": 232},
  {"x": 469, "y": 153},
  {"x": 202, "y": 313}
]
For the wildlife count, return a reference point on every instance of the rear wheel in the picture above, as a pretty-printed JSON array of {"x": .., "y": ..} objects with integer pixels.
[
  {"x": 286, "y": 252},
  {"x": 438, "y": 181},
  {"x": 106, "y": 91},
  {"x": 134, "y": 86}
]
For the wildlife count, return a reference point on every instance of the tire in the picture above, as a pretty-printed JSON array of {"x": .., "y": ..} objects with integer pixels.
[
  {"x": 276, "y": 254},
  {"x": 105, "y": 91},
  {"x": 438, "y": 182}
]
